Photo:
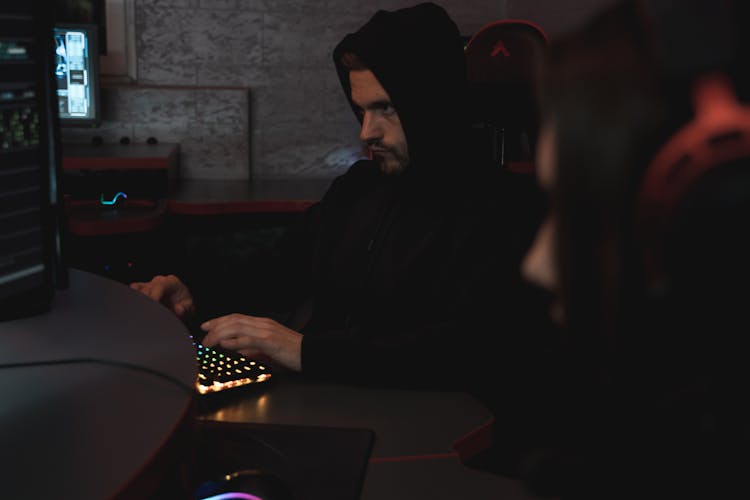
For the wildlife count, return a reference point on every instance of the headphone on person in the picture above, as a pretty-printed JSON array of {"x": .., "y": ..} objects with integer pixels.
[{"x": 718, "y": 133}]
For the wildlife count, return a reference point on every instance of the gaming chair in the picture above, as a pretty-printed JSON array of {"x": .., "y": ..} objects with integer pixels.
[{"x": 502, "y": 60}]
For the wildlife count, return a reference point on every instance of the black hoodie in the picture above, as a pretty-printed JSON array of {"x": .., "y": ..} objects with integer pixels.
[
  {"x": 417, "y": 55},
  {"x": 400, "y": 268}
]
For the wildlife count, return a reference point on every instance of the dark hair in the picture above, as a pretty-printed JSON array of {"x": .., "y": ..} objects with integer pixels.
[
  {"x": 607, "y": 103},
  {"x": 669, "y": 360},
  {"x": 352, "y": 62},
  {"x": 599, "y": 93}
]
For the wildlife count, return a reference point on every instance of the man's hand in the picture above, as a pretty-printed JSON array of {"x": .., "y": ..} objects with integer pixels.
[
  {"x": 256, "y": 337},
  {"x": 168, "y": 290}
]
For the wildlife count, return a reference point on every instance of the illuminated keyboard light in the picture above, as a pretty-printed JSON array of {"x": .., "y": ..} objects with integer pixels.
[
  {"x": 212, "y": 376},
  {"x": 217, "y": 386}
]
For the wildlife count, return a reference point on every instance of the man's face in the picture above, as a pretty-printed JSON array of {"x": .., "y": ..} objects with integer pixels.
[{"x": 381, "y": 126}]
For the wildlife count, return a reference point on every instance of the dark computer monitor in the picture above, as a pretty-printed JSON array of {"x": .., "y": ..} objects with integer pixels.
[
  {"x": 31, "y": 262},
  {"x": 76, "y": 72}
]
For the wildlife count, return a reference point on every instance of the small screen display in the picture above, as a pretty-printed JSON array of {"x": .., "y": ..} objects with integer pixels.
[{"x": 75, "y": 74}]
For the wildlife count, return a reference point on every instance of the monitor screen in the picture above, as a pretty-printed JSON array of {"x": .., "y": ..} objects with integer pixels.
[
  {"x": 85, "y": 12},
  {"x": 77, "y": 74},
  {"x": 29, "y": 161}
]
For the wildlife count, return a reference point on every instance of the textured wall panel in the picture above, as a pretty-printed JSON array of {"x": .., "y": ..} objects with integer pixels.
[
  {"x": 164, "y": 44},
  {"x": 300, "y": 124},
  {"x": 211, "y": 125}
]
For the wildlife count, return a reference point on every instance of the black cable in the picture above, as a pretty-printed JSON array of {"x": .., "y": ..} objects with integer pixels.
[{"x": 121, "y": 364}]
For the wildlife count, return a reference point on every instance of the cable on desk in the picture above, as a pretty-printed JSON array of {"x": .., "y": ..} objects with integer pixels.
[{"x": 120, "y": 364}]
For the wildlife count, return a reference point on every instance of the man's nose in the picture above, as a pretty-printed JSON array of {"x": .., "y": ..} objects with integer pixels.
[{"x": 371, "y": 131}]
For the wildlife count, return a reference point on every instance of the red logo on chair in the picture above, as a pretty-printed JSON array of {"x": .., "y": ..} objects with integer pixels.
[{"x": 500, "y": 47}]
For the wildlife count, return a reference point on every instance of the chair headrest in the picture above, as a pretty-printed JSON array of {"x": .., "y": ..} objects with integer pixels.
[{"x": 506, "y": 52}]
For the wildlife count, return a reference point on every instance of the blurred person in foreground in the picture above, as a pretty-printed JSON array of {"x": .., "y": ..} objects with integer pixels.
[{"x": 652, "y": 372}]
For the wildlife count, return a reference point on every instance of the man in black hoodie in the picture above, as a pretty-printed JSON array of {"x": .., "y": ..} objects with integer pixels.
[{"x": 401, "y": 257}]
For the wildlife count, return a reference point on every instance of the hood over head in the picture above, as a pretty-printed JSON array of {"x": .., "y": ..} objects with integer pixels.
[{"x": 417, "y": 55}]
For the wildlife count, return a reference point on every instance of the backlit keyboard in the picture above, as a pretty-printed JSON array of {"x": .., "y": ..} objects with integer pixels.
[{"x": 219, "y": 370}]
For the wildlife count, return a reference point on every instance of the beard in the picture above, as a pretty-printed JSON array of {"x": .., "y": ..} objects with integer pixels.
[{"x": 391, "y": 161}]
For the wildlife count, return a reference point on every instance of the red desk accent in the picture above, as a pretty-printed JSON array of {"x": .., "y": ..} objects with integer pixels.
[
  {"x": 474, "y": 442},
  {"x": 160, "y": 156},
  {"x": 89, "y": 219},
  {"x": 196, "y": 197},
  {"x": 145, "y": 171},
  {"x": 216, "y": 197}
]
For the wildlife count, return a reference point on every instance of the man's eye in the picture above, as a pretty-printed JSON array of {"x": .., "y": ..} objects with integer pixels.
[{"x": 387, "y": 109}]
